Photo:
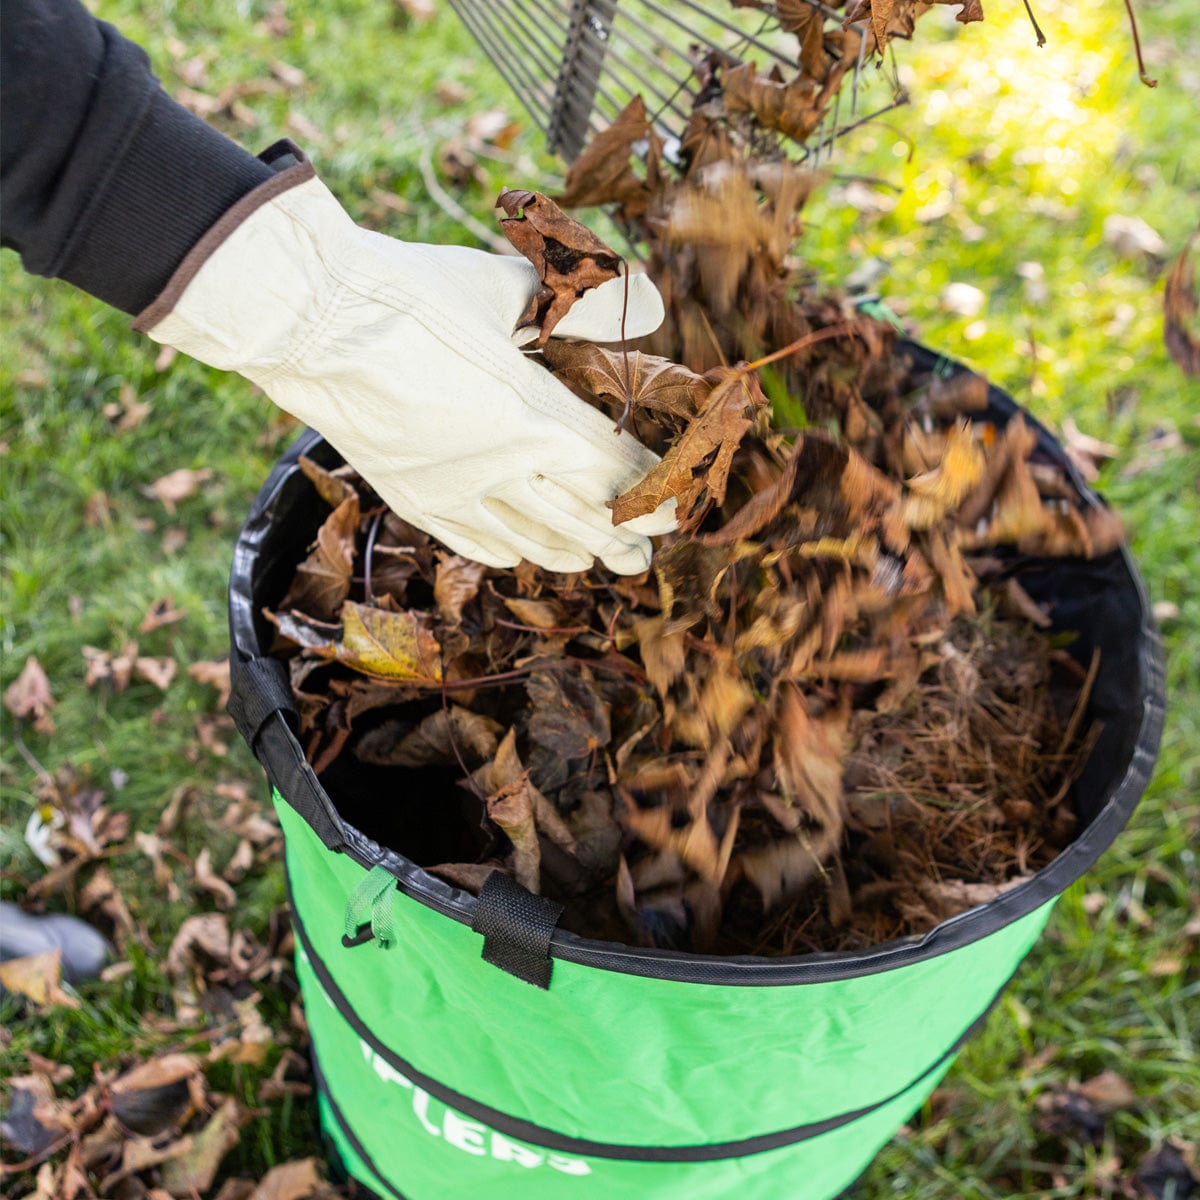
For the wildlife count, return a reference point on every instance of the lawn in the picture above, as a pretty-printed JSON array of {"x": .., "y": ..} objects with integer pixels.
[{"x": 1000, "y": 174}]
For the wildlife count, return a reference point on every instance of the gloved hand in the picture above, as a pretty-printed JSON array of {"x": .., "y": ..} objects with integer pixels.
[{"x": 402, "y": 356}]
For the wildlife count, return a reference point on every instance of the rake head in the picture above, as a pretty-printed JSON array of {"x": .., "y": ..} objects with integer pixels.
[{"x": 575, "y": 64}]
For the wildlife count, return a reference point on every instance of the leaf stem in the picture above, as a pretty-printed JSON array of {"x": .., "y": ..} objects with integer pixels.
[{"x": 1137, "y": 45}]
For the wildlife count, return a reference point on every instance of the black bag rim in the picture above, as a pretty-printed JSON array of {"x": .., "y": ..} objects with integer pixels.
[{"x": 280, "y": 753}]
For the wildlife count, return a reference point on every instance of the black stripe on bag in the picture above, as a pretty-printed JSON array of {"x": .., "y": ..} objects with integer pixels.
[
  {"x": 349, "y": 1134},
  {"x": 549, "y": 1139}
]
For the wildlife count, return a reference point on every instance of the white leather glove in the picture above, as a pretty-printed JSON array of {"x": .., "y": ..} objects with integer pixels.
[{"x": 402, "y": 356}]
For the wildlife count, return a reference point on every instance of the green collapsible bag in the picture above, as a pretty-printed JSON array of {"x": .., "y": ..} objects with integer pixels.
[{"x": 486, "y": 1053}]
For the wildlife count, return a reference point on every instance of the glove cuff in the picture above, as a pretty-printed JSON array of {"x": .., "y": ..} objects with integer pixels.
[{"x": 256, "y": 279}]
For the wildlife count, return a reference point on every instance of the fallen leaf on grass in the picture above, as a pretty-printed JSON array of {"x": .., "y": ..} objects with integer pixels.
[
  {"x": 288, "y": 1181},
  {"x": 1088, "y": 454},
  {"x": 158, "y": 671},
  {"x": 114, "y": 668},
  {"x": 205, "y": 933},
  {"x": 1179, "y": 313},
  {"x": 193, "y": 1171},
  {"x": 155, "y": 1095},
  {"x": 211, "y": 882},
  {"x": 215, "y": 673},
  {"x": 28, "y": 696},
  {"x": 1107, "y": 1093},
  {"x": 33, "y": 1120},
  {"x": 176, "y": 486},
  {"x": 127, "y": 411},
  {"x": 37, "y": 977},
  {"x": 161, "y": 612}
]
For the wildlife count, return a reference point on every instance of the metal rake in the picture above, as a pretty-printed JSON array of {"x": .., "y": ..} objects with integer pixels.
[{"x": 575, "y": 64}]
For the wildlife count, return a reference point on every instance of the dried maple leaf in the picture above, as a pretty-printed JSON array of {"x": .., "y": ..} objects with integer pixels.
[
  {"x": 28, "y": 696},
  {"x": 568, "y": 257},
  {"x": 641, "y": 380},
  {"x": 695, "y": 470},
  {"x": 793, "y": 108}
]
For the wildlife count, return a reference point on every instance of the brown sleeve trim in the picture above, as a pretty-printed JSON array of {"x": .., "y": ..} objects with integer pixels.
[{"x": 203, "y": 250}]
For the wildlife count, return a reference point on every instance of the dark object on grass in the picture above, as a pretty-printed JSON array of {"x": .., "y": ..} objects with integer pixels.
[
  {"x": 84, "y": 949},
  {"x": 658, "y": 1072}
]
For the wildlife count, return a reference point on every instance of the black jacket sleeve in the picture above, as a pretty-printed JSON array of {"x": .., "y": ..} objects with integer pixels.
[{"x": 105, "y": 181}]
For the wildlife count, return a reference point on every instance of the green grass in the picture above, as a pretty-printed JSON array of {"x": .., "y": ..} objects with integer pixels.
[{"x": 1022, "y": 152}]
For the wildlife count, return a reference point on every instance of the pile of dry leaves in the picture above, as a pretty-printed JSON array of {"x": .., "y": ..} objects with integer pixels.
[{"x": 821, "y": 721}]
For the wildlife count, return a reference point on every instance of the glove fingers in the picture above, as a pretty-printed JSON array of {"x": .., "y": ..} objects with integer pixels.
[
  {"x": 596, "y": 315},
  {"x": 478, "y": 545},
  {"x": 590, "y": 526},
  {"x": 582, "y": 494},
  {"x": 543, "y": 542}
]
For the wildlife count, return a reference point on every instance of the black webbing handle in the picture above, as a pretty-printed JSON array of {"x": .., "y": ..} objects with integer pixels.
[
  {"x": 259, "y": 688},
  {"x": 517, "y": 927}
]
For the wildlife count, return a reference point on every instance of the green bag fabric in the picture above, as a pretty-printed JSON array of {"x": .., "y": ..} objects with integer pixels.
[{"x": 485, "y": 1053}]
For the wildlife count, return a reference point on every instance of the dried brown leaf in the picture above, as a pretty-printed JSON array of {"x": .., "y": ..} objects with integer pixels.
[
  {"x": 603, "y": 173},
  {"x": 28, "y": 697},
  {"x": 37, "y": 977},
  {"x": 568, "y": 257},
  {"x": 161, "y": 612},
  {"x": 177, "y": 486},
  {"x": 511, "y": 808},
  {"x": 695, "y": 470},
  {"x": 455, "y": 585},
  {"x": 322, "y": 580},
  {"x": 289, "y": 1181},
  {"x": 154, "y": 1095},
  {"x": 193, "y": 1171},
  {"x": 215, "y": 673},
  {"x": 1179, "y": 313},
  {"x": 643, "y": 380}
]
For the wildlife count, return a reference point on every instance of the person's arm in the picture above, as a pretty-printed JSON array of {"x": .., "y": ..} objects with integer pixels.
[
  {"x": 105, "y": 181},
  {"x": 401, "y": 355}
]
